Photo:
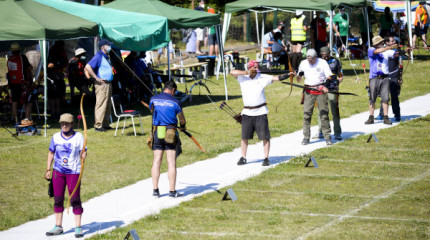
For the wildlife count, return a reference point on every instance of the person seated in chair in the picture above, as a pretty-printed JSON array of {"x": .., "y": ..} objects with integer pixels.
[{"x": 279, "y": 52}]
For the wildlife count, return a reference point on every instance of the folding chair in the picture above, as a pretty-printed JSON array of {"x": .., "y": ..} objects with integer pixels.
[{"x": 125, "y": 114}]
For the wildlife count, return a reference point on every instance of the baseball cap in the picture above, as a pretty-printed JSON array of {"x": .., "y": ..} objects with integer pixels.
[
  {"x": 252, "y": 63},
  {"x": 103, "y": 42},
  {"x": 15, "y": 47},
  {"x": 281, "y": 23}
]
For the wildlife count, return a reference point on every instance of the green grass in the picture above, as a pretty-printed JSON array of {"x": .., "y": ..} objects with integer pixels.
[
  {"x": 347, "y": 197},
  {"x": 115, "y": 162}
]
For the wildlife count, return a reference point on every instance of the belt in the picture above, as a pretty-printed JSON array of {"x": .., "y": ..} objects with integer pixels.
[
  {"x": 255, "y": 107},
  {"x": 167, "y": 127},
  {"x": 381, "y": 76}
]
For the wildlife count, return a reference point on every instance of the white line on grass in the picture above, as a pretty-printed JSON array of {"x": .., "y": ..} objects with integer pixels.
[
  {"x": 351, "y": 213},
  {"x": 306, "y": 193},
  {"x": 391, "y": 149},
  {"x": 220, "y": 234},
  {"x": 374, "y": 162},
  {"x": 342, "y": 176}
]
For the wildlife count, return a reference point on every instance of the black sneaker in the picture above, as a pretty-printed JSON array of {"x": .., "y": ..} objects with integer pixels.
[
  {"x": 156, "y": 193},
  {"x": 305, "y": 141},
  {"x": 108, "y": 128},
  {"x": 398, "y": 119},
  {"x": 175, "y": 194},
  {"x": 100, "y": 129},
  {"x": 387, "y": 120},
  {"x": 241, "y": 161},
  {"x": 337, "y": 137},
  {"x": 371, "y": 120},
  {"x": 266, "y": 162}
]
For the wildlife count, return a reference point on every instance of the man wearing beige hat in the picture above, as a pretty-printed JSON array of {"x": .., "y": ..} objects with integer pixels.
[
  {"x": 19, "y": 77},
  {"x": 379, "y": 82}
]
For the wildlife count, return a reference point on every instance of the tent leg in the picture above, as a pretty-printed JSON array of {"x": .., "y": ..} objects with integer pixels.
[
  {"x": 221, "y": 51},
  {"x": 45, "y": 90}
]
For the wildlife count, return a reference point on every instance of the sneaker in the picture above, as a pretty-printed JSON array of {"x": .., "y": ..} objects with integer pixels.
[
  {"x": 108, "y": 128},
  {"x": 266, "y": 162},
  {"x": 241, "y": 161},
  {"x": 380, "y": 117},
  {"x": 387, "y": 121},
  {"x": 78, "y": 232},
  {"x": 371, "y": 120},
  {"x": 156, "y": 193},
  {"x": 397, "y": 119},
  {"x": 55, "y": 231},
  {"x": 319, "y": 135},
  {"x": 328, "y": 142},
  {"x": 305, "y": 142},
  {"x": 175, "y": 194},
  {"x": 337, "y": 137},
  {"x": 100, "y": 129}
]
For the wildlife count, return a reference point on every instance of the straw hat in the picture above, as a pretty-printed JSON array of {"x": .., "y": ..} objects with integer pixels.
[
  {"x": 15, "y": 47},
  {"x": 376, "y": 40}
]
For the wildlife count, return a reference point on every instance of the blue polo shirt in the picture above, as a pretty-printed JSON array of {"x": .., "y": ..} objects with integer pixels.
[
  {"x": 166, "y": 107},
  {"x": 102, "y": 66}
]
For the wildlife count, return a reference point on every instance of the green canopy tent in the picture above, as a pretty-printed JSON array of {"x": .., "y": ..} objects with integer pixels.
[
  {"x": 127, "y": 30},
  {"x": 178, "y": 18},
  {"x": 262, "y": 6},
  {"x": 30, "y": 20}
]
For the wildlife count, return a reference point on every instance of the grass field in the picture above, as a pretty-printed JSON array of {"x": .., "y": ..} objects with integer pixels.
[
  {"x": 115, "y": 162},
  {"x": 370, "y": 191}
]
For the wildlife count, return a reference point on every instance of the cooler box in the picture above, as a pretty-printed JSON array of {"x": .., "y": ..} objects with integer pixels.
[{"x": 211, "y": 63}]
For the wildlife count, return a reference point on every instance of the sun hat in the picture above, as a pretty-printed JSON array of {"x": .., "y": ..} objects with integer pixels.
[
  {"x": 376, "y": 40},
  {"x": 79, "y": 51},
  {"x": 15, "y": 47},
  {"x": 66, "y": 117}
]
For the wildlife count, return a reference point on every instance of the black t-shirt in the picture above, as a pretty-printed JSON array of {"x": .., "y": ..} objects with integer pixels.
[
  {"x": 336, "y": 69},
  {"x": 393, "y": 67}
]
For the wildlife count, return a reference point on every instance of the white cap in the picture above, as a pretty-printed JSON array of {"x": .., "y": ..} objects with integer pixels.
[
  {"x": 299, "y": 12},
  {"x": 79, "y": 51}
]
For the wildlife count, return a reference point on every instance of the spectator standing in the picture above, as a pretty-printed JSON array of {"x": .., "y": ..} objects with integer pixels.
[
  {"x": 56, "y": 89},
  {"x": 191, "y": 38},
  {"x": 19, "y": 80},
  {"x": 76, "y": 73},
  {"x": 318, "y": 32},
  {"x": 421, "y": 19},
  {"x": 341, "y": 28},
  {"x": 386, "y": 23},
  {"x": 213, "y": 41},
  {"x": 200, "y": 31},
  {"x": 100, "y": 68}
]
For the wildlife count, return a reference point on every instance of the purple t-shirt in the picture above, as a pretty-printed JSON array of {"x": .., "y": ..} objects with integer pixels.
[{"x": 379, "y": 62}]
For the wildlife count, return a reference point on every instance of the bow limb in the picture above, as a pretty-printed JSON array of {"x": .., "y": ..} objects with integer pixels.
[
  {"x": 290, "y": 68},
  {"x": 78, "y": 183},
  {"x": 194, "y": 140}
]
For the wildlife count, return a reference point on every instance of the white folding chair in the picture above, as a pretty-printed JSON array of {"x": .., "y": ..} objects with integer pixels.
[{"x": 125, "y": 114}]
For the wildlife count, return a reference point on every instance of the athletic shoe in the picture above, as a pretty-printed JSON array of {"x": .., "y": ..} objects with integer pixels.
[
  {"x": 328, "y": 142},
  {"x": 55, "y": 231},
  {"x": 337, "y": 137},
  {"x": 398, "y": 119},
  {"x": 305, "y": 142},
  {"x": 266, "y": 162},
  {"x": 241, "y": 161},
  {"x": 319, "y": 135},
  {"x": 371, "y": 120},
  {"x": 100, "y": 129},
  {"x": 380, "y": 117},
  {"x": 387, "y": 121},
  {"x": 156, "y": 193},
  {"x": 108, "y": 128},
  {"x": 175, "y": 194},
  {"x": 78, "y": 232}
]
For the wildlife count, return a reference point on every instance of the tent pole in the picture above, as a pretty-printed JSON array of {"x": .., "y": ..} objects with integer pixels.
[
  {"x": 258, "y": 33},
  {"x": 368, "y": 26},
  {"x": 221, "y": 52},
  {"x": 168, "y": 59},
  {"x": 409, "y": 17},
  {"x": 45, "y": 87},
  {"x": 226, "y": 24},
  {"x": 331, "y": 31},
  {"x": 262, "y": 36}
]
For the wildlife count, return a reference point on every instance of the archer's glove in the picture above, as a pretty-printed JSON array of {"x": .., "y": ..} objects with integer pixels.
[{"x": 283, "y": 76}]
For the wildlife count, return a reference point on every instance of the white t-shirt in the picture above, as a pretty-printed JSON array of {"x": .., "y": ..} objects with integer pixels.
[
  {"x": 67, "y": 151},
  {"x": 253, "y": 93},
  {"x": 315, "y": 74}
]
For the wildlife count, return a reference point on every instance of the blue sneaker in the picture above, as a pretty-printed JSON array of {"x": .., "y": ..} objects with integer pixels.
[
  {"x": 380, "y": 117},
  {"x": 55, "y": 231},
  {"x": 78, "y": 232}
]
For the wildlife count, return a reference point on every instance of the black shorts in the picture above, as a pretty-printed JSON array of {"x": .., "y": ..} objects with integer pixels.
[
  {"x": 160, "y": 144},
  {"x": 16, "y": 92},
  {"x": 419, "y": 31},
  {"x": 259, "y": 124},
  {"x": 298, "y": 42},
  {"x": 212, "y": 39}
]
